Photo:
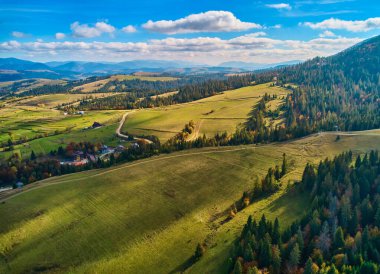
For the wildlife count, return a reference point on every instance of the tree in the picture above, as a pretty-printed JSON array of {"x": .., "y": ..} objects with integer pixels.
[
  {"x": 294, "y": 257},
  {"x": 276, "y": 236},
  {"x": 199, "y": 251},
  {"x": 284, "y": 168},
  {"x": 276, "y": 260},
  {"x": 308, "y": 267},
  {"x": 33, "y": 156},
  {"x": 339, "y": 238},
  {"x": 238, "y": 269},
  {"x": 253, "y": 270}
]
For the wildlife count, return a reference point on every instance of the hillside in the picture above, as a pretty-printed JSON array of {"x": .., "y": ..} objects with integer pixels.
[
  {"x": 340, "y": 91},
  {"x": 216, "y": 114},
  {"x": 148, "y": 216}
]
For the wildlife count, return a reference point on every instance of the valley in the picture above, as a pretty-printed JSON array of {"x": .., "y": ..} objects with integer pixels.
[{"x": 177, "y": 166}]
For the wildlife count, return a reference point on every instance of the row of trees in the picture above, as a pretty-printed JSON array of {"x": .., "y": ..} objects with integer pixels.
[
  {"x": 340, "y": 234},
  {"x": 41, "y": 167}
]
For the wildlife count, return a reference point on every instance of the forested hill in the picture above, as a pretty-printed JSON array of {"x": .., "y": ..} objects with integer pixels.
[
  {"x": 359, "y": 65},
  {"x": 338, "y": 91}
]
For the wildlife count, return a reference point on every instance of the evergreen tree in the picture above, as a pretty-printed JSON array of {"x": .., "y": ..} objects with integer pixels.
[
  {"x": 309, "y": 267},
  {"x": 284, "y": 168},
  {"x": 294, "y": 257},
  {"x": 199, "y": 251},
  {"x": 339, "y": 238},
  {"x": 33, "y": 156},
  {"x": 238, "y": 269}
]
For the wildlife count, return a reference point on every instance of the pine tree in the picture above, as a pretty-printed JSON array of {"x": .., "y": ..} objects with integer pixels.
[
  {"x": 284, "y": 168},
  {"x": 339, "y": 238},
  {"x": 33, "y": 156},
  {"x": 308, "y": 267},
  {"x": 276, "y": 260},
  {"x": 199, "y": 251},
  {"x": 294, "y": 257},
  {"x": 276, "y": 237},
  {"x": 238, "y": 269}
]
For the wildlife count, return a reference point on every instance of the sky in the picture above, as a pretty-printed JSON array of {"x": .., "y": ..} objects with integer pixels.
[{"x": 199, "y": 31}]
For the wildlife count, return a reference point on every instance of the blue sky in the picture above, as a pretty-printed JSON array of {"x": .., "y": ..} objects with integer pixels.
[{"x": 206, "y": 31}]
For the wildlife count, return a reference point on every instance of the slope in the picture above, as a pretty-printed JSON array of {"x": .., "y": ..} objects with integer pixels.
[{"x": 148, "y": 216}]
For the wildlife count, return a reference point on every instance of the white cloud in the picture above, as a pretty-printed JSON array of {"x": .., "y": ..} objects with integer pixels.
[
  {"x": 129, "y": 29},
  {"x": 85, "y": 31},
  {"x": 59, "y": 35},
  {"x": 354, "y": 26},
  {"x": 281, "y": 6},
  {"x": 250, "y": 47},
  {"x": 210, "y": 21},
  {"x": 327, "y": 33},
  {"x": 18, "y": 34}
]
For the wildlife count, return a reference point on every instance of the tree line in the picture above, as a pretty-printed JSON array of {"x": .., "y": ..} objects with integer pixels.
[{"x": 339, "y": 234}]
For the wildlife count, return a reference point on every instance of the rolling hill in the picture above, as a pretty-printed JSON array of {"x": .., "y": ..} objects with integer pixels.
[{"x": 148, "y": 216}]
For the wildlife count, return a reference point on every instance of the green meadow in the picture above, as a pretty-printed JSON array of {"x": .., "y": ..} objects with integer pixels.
[
  {"x": 148, "y": 216},
  {"x": 219, "y": 113}
]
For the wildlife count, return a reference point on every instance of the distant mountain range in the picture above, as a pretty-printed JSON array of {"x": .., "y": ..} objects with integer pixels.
[{"x": 16, "y": 69}]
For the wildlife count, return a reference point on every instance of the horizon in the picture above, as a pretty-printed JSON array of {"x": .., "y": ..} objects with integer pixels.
[{"x": 211, "y": 33}]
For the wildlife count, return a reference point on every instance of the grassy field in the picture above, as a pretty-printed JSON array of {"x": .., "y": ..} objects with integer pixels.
[
  {"x": 25, "y": 85},
  {"x": 100, "y": 83},
  {"x": 223, "y": 112},
  {"x": 53, "y": 100},
  {"x": 30, "y": 121},
  {"x": 26, "y": 121},
  {"x": 148, "y": 216}
]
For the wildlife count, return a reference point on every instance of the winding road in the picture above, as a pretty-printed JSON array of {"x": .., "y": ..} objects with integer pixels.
[{"x": 123, "y": 136}]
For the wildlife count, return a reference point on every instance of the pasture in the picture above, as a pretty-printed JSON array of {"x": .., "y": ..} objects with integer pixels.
[
  {"x": 90, "y": 87},
  {"x": 219, "y": 113},
  {"x": 148, "y": 216},
  {"x": 19, "y": 122}
]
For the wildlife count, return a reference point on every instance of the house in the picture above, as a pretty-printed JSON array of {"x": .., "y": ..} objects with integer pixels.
[
  {"x": 92, "y": 158},
  {"x": 78, "y": 155},
  {"x": 135, "y": 145},
  {"x": 96, "y": 125},
  {"x": 105, "y": 149},
  {"x": 119, "y": 148}
]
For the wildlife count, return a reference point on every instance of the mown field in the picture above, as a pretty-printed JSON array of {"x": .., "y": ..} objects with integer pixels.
[
  {"x": 18, "y": 122},
  {"x": 148, "y": 216},
  {"x": 90, "y": 87},
  {"x": 54, "y": 100},
  {"x": 219, "y": 113}
]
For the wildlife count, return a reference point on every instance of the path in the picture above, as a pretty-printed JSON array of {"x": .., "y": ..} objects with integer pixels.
[{"x": 121, "y": 135}]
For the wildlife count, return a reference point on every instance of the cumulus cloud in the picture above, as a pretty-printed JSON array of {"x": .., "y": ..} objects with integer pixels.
[
  {"x": 129, "y": 29},
  {"x": 210, "y": 21},
  {"x": 281, "y": 6},
  {"x": 327, "y": 33},
  {"x": 18, "y": 34},
  {"x": 354, "y": 26},
  {"x": 59, "y": 35},
  {"x": 85, "y": 31},
  {"x": 255, "y": 46}
]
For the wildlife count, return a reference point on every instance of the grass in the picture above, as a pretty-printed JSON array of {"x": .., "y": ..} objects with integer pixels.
[
  {"x": 53, "y": 100},
  {"x": 219, "y": 113},
  {"x": 19, "y": 121},
  {"x": 148, "y": 216},
  {"x": 100, "y": 83}
]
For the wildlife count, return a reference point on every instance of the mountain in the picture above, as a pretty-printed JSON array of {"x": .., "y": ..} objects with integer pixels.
[
  {"x": 18, "y": 64},
  {"x": 256, "y": 66},
  {"x": 337, "y": 92}
]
